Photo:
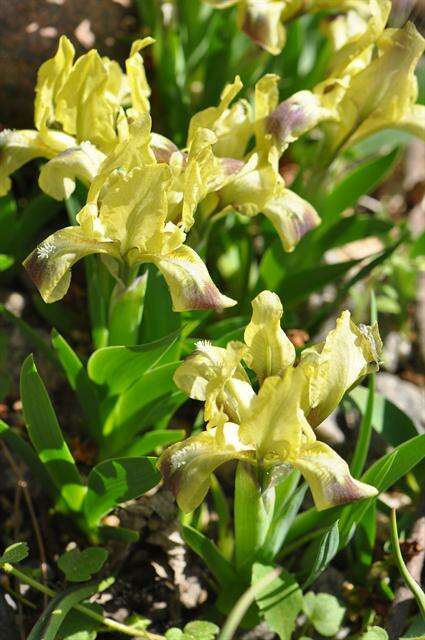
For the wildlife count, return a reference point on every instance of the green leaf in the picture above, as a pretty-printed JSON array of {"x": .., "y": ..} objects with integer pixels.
[
  {"x": 6, "y": 261},
  {"x": 49, "y": 623},
  {"x": 387, "y": 419},
  {"x": 115, "y": 481},
  {"x": 138, "y": 407},
  {"x": 283, "y": 518},
  {"x": 365, "y": 432},
  {"x": 174, "y": 634},
  {"x": 326, "y": 550},
  {"x": 46, "y": 436},
  {"x": 324, "y": 612},
  {"x": 252, "y": 515},
  {"x": 79, "y": 381},
  {"x": 77, "y": 626},
  {"x": 358, "y": 182},
  {"x": 279, "y": 602},
  {"x": 118, "y": 368},
  {"x": 79, "y": 566},
  {"x": 159, "y": 319},
  {"x": 125, "y": 312},
  {"x": 30, "y": 458},
  {"x": 207, "y": 550},
  {"x": 374, "y": 633},
  {"x": 148, "y": 442},
  {"x": 297, "y": 286},
  {"x": 15, "y": 553},
  {"x": 418, "y": 247},
  {"x": 201, "y": 630}
]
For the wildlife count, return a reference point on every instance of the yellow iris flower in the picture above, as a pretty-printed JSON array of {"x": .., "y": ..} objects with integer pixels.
[
  {"x": 78, "y": 113},
  {"x": 273, "y": 427},
  {"x": 371, "y": 86},
  {"x": 126, "y": 220}
]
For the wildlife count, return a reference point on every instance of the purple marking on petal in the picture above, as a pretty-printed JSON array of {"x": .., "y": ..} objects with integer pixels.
[{"x": 288, "y": 118}]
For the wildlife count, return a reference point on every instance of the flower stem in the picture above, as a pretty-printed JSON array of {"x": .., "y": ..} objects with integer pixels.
[
  {"x": 410, "y": 582},
  {"x": 107, "y": 622}
]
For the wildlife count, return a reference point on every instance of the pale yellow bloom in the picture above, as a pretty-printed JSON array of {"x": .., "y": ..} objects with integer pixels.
[
  {"x": 126, "y": 220},
  {"x": 77, "y": 102},
  {"x": 273, "y": 427},
  {"x": 250, "y": 182},
  {"x": 371, "y": 86}
]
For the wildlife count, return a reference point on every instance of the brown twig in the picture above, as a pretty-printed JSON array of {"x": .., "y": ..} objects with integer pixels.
[
  {"x": 22, "y": 483},
  {"x": 403, "y": 600}
]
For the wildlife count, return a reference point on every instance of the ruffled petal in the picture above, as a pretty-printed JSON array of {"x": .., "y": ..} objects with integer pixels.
[
  {"x": 329, "y": 477},
  {"x": 190, "y": 284},
  {"x": 216, "y": 376},
  {"x": 139, "y": 87},
  {"x": 270, "y": 351},
  {"x": 49, "y": 265},
  {"x": 348, "y": 353},
  {"x": 250, "y": 189},
  {"x": 201, "y": 174},
  {"x": 84, "y": 107},
  {"x": 19, "y": 147},
  {"x": 276, "y": 424},
  {"x": 383, "y": 94},
  {"x": 291, "y": 216},
  {"x": 187, "y": 466},
  {"x": 58, "y": 176},
  {"x": 51, "y": 77}
]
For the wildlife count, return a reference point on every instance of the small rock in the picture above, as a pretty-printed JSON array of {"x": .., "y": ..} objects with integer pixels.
[
  {"x": 329, "y": 430},
  {"x": 406, "y": 395}
]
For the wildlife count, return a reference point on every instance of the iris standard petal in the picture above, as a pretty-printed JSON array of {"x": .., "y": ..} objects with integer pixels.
[{"x": 270, "y": 351}]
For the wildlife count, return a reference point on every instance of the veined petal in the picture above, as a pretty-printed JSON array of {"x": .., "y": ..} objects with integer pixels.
[
  {"x": 50, "y": 79},
  {"x": 187, "y": 466},
  {"x": 355, "y": 31},
  {"x": 139, "y": 87},
  {"x": 250, "y": 189},
  {"x": 208, "y": 363},
  {"x": 200, "y": 174},
  {"x": 189, "y": 282},
  {"x": 348, "y": 353},
  {"x": 270, "y": 351},
  {"x": 291, "y": 216},
  {"x": 134, "y": 208},
  {"x": 134, "y": 151},
  {"x": 233, "y": 130},
  {"x": 261, "y": 21},
  {"x": 216, "y": 376},
  {"x": 329, "y": 477},
  {"x": 57, "y": 177},
  {"x": 19, "y": 147},
  {"x": 84, "y": 107},
  {"x": 298, "y": 114},
  {"x": 266, "y": 100},
  {"x": 49, "y": 265},
  {"x": 371, "y": 103},
  {"x": 276, "y": 424}
]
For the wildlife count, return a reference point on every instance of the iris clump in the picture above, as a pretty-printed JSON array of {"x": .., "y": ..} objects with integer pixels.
[{"x": 273, "y": 426}]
